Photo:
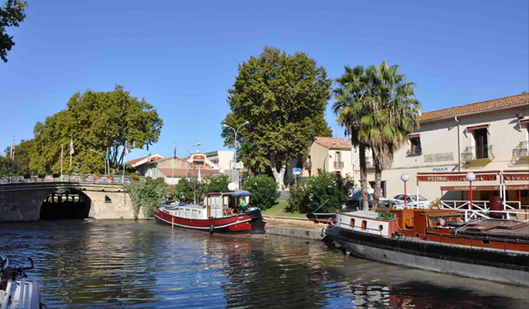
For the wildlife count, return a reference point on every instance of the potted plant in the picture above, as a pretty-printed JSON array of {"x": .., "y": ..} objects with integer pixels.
[{"x": 97, "y": 175}]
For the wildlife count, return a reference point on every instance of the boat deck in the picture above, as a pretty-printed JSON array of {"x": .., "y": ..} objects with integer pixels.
[{"x": 497, "y": 229}]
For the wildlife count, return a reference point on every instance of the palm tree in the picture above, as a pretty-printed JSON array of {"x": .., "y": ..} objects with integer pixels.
[
  {"x": 394, "y": 114},
  {"x": 378, "y": 109},
  {"x": 352, "y": 103}
]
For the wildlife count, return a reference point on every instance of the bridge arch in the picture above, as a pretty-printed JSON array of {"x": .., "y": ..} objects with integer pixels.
[{"x": 65, "y": 204}]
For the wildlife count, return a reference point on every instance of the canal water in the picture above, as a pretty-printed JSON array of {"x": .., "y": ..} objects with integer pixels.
[{"x": 125, "y": 264}]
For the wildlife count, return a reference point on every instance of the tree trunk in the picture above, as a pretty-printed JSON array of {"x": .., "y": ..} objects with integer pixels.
[
  {"x": 278, "y": 176},
  {"x": 378, "y": 180},
  {"x": 363, "y": 176}
]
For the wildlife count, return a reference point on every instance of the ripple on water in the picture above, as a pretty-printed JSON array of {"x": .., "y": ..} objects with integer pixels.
[{"x": 124, "y": 264}]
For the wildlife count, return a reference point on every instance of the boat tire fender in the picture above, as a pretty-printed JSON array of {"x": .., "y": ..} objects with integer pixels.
[
  {"x": 323, "y": 232},
  {"x": 211, "y": 229}
]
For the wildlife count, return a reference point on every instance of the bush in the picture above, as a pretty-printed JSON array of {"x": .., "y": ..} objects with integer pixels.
[
  {"x": 264, "y": 191},
  {"x": 217, "y": 184},
  {"x": 183, "y": 191},
  {"x": 298, "y": 199},
  {"x": 327, "y": 191},
  {"x": 146, "y": 194}
]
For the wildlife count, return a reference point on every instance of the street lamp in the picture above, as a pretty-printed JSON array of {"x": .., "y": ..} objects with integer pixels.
[
  {"x": 470, "y": 177},
  {"x": 195, "y": 145},
  {"x": 104, "y": 159},
  {"x": 234, "y": 167},
  {"x": 404, "y": 177}
]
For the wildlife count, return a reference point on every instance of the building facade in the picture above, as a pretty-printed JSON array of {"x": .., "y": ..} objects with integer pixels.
[
  {"x": 488, "y": 137},
  {"x": 326, "y": 154},
  {"x": 173, "y": 170}
]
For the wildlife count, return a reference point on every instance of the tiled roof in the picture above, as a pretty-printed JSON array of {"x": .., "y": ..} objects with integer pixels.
[
  {"x": 154, "y": 158},
  {"x": 333, "y": 143},
  {"x": 183, "y": 172},
  {"x": 477, "y": 108}
]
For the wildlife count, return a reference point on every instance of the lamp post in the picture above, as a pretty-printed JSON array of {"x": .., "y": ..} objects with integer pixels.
[
  {"x": 470, "y": 177},
  {"x": 195, "y": 186},
  {"x": 104, "y": 159},
  {"x": 404, "y": 177},
  {"x": 234, "y": 167}
]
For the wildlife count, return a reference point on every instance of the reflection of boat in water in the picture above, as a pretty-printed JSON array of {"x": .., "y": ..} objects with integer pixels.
[
  {"x": 15, "y": 290},
  {"x": 220, "y": 213},
  {"x": 437, "y": 240}
]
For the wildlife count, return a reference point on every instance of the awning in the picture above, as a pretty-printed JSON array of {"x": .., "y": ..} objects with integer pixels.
[
  {"x": 484, "y": 188},
  {"x": 456, "y": 176},
  {"x": 467, "y": 188},
  {"x": 415, "y": 135},
  {"x": 482, "y": 126},
  {"x": 516, "y": 175},
  {"x": 241, "y": 193}
]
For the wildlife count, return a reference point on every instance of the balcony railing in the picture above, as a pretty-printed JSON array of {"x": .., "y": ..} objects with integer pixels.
[
  {"x": 477, "y": 154},
  {"x": 521, "y": 151},
  {"x": 338, "y": 164},
  {"x": 92, "y": 179},
  {"x": 415, "y": 152}
]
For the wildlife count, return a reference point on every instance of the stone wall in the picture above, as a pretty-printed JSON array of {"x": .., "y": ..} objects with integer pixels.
[{"x": 23, "y": 202}]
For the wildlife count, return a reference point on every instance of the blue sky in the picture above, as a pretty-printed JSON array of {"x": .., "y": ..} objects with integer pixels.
[{"x": 182, "y": 56}]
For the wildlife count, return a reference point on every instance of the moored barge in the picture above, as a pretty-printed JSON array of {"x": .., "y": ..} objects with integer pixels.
[
  {"x": 437, "y": 240},
  {"x": 220, "y": 213}
]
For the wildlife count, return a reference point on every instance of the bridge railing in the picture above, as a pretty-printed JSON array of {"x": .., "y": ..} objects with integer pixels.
[{"x": 79, "y": 178}]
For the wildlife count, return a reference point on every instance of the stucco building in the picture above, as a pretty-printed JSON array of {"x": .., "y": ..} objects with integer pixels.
[
  {"x": 326, "y": 154},
  {"x": 487, "y": 138},
  {"x": 174, "y": 170}
]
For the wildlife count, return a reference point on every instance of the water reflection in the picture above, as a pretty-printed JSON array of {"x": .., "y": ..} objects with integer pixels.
[{"x": 122, "y": 264}]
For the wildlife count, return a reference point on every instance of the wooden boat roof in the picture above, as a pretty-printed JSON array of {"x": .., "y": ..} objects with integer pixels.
[{"x": 497, "y": 229}]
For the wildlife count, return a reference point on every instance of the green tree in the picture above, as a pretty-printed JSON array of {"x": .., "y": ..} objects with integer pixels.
[
  {"x": 264, "y": 191},
  {"x": 217, "y": 184},
  {"x": 352, "y": 103},
  {"x": 184, "y": 191},
  {"x": 377, "y": 108},
  {"x": 96, "y": 121},
  {"x": 5, "y": 166},
  {"x": 147, "y": 195},
  {"x": 395, "y": 113},
  {"x": 11, "y": 15},
  {"x": 327, "y": 191},
  {"x": 284, "y": 98},
  {"x": 23, "y": 153}
]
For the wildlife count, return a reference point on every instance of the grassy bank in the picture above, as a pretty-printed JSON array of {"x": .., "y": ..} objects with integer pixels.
[{"x": 279, "y": 210}]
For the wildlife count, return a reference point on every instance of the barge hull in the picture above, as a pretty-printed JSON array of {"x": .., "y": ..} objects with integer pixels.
[{"x": 394, "y": 251}]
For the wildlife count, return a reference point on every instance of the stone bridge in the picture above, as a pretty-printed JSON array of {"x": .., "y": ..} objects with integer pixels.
[{"x": 32, "y": 201}]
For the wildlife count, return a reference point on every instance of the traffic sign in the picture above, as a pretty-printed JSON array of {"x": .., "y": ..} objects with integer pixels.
[{"x": 296, "y": 171}]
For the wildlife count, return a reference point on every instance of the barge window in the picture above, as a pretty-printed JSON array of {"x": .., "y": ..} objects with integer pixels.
[
  {"x": 352, "y": 223},
  {"x": 364, "y": 225},
  {"x": 380, "y": 227}
]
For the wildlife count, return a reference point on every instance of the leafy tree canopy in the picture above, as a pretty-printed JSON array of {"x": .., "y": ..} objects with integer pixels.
[
  {"x": 11, "y": 15},
  {"x": 95, "y": 121},
  {"x": 283, "y": 97},
  {"x": 264, "y": 191}
]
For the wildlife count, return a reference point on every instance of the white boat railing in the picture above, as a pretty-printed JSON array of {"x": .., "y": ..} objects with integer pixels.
[
  {"x": 480, "y": 205},
  {"x": 477, "y": 215}
]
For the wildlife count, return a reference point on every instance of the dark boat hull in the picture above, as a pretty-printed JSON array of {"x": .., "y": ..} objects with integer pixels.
[
  {"x": 246, "y": 224},
  {"x": 496, "y": 265}
]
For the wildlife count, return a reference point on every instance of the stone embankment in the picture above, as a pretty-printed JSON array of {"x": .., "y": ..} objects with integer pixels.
[{"x": 293, "y": 227}]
